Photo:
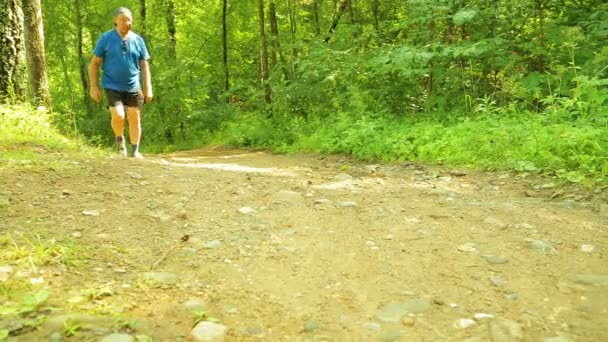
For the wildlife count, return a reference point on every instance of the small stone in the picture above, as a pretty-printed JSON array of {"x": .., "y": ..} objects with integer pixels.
[
  {"x": 343, "y": 177},
  {"x": 408, "y": 321},
  {"x": 253, "y": 331},
  {"x": 134, "y": 175},
  {"x": 160, "y": 278},
  {"x": 587, "y": 248},
  {"x": 497, "y": 280},
  {"x": 480, "y": 316},
  {"x": 505, "y": 330},
  {"x": 208, "y": 332},
  {"x": 468, "y": 247},
  {"x": 77, "y": 235},
  {"x": 373, "y": 326},
  {"x": 347, "y": 204},
  {"x": 246, "y": 210},
  {"x": 464, "y": 323},
  {"x": 90, "y": 212},
  {"x": 495, "y": 259},
  {"x": 118, "y": 338},
  {"x": 541, "y": 246},
  {"x": 556, "y": 339},
  {"x": 212, "y": 244},
  {"x": 195, "y": 305},
  {"x": 311, "y": 326},
  {"x": 531, "y": 193},
  {"x": 592, "y": 279}
]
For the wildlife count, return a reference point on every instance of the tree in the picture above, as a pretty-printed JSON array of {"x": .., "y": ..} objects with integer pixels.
[
  {"x": 225, "y": 47},
  {"x": 264, "y": 54},
  {"x": 12, "y": 52},
  {"x": 34, "y": 38}
]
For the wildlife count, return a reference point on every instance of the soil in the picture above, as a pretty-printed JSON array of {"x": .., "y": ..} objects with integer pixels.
[{"x": 304, "y": 248}]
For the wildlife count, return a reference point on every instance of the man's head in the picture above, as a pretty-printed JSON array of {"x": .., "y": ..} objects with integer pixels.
[{"x": 123, "y": 20}]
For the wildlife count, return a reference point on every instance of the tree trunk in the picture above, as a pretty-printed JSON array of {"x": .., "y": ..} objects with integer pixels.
[
  {"x": 276, "y": 43},
  {"x": 82, "y": 63},
  {"x": 315, "y": 17},
  {"x": 225, "y": 48},
  {"x": 172, "y": 29},
  {"x": 264, "y": 54},
  {"x": 34, "y": 39},
  {"x": 142, "y": 18},
  {"x": 341, "y": 8},
  {"x": 12, "y": 52}
]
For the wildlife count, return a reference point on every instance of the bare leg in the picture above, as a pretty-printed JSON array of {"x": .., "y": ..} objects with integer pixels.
[
  {"x": 134, "y": 129},
  {"x": 118, "y": 126}
]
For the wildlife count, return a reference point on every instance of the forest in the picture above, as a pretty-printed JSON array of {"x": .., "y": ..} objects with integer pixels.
[
  {"x": 495, "y": 85},
  {"x": 314, "y": 170}
]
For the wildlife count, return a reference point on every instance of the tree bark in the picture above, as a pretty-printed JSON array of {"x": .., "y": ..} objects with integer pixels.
[
  {"x": 82, "y": 63},
  {"x": 34, "y": 39},
  {"x": 264, "y": 54},
  {"x": 276, "y": 42},
  {"x": 171, "y": 28},
  {"x": 225, "y": 48},
  {"x": 341, "y": 8},
  {"x": 12, "y": 52}
]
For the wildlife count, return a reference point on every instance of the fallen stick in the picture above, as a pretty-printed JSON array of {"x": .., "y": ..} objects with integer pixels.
[{"x": 183, "y": 240}]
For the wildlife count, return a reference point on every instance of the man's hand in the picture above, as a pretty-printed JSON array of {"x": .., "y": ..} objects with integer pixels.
[
  {"x": 95, "y": 94},
  {"x": 148, "y": 96}
]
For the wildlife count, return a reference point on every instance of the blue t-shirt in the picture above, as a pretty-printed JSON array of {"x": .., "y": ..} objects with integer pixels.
[{"x": 121, "y": 59}]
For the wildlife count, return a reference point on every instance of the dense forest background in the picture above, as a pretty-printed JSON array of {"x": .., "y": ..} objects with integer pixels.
[{"x": 519, "y": 85}]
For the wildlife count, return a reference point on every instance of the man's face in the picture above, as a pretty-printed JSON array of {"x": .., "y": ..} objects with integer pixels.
[{"x": 123, "y": 23}]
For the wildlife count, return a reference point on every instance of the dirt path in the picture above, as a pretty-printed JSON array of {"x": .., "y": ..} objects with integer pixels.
[{"x": 278, "y": 248}]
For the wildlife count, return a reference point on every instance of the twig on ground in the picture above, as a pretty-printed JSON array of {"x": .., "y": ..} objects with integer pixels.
[{"x": 183, "y": 240}]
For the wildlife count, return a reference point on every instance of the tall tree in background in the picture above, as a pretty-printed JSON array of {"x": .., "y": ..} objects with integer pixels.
[
  {"x": 172, "y": 30},
  {"x": 225, "y": 47},
  {"x": 34, "y": 39},
  {"x": 82, "y": 61},
  {"x": 12, "y": 54},
  {"x": 264, "y": 68}
]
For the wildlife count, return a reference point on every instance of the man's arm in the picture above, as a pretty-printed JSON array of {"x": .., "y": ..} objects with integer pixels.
[
  {"x": 94, "y": 78},
  {"x": 147, "y": 80}
]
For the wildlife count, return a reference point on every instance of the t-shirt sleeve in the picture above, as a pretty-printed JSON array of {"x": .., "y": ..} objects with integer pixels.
[{"x": 100, "y": 50}]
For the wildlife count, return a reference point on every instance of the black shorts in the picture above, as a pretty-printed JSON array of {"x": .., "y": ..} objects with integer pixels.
[{"x": 126, "y": 98}]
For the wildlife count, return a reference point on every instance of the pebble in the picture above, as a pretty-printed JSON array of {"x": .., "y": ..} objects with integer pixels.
[
  {"x": 347, "y": 204},
  {"x": 541, "y": 246},
  {"x": 468, "y": 247},
  {"x": 90, "y": 212},
  {"x": 208, "y": 332},
  {"x": 160, "y": 278},
  {"x": 393, "y": 312},
  {"x": 118, "y": 338},
  {"x": 246, "y": 210},
  {"x": 373, "y": 326},
  {"x": 464, "y": 323},
  {"x": 311, "y": 326},
  {"x": 212, "y": 244},
  {"x": 587, "y": 248},
  {"x": 505, "y": 330},
  {"x": 480, "y": 316},
  {"x": 134, "y": 175},
  {"x": 592, "y": 279},
  {"x": 77, "y": 235},
  {"x": 497, "y": 280},
  {"x": 495, "y": 259},
  {"x": 195, "y": 305}
]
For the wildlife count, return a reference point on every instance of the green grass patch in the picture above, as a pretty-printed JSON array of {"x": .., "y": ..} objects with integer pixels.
[{"x": 526, "y": 142}]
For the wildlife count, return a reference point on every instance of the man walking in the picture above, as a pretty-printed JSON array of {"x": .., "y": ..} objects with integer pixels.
[{"x": 124, "y": 59}]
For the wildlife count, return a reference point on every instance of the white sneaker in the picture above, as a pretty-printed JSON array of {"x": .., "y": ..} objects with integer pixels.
[{"x": 138, "y": 155}]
